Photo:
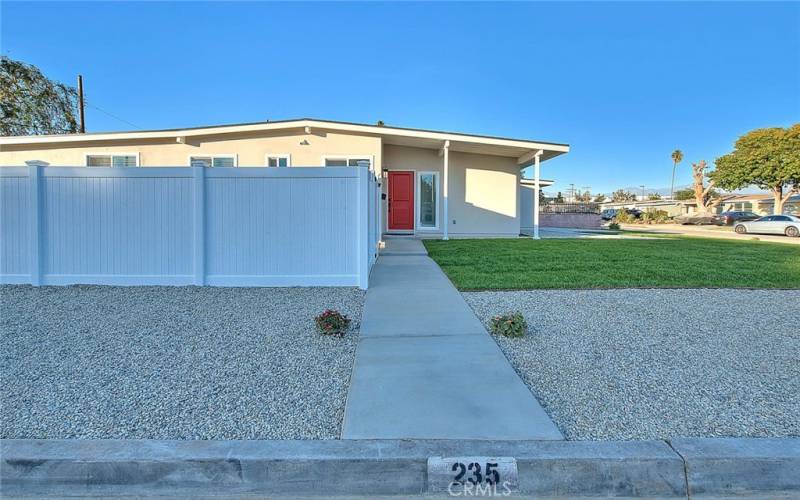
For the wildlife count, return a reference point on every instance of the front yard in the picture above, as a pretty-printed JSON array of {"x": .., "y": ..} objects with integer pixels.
[
  {"x": 652, "y": 338},
  {"x": 173, "y": 362},
  {"x": 663, "y": 262},
  {"x": 652, "y": 364}
]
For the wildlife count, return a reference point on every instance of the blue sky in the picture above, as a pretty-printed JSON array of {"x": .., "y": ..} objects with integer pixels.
[{"x": 623, "y": 83}]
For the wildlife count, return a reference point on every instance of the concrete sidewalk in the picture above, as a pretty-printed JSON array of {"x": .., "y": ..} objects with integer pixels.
[{"x": 426, "y": 368}]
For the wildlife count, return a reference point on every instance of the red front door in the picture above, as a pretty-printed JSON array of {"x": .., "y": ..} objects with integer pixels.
[{"x": 401, "y": 201}]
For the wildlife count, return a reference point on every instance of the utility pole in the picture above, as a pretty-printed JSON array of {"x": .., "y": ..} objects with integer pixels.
[
  {"x": 572, "y": 193},
  {"x": 81, "y": 105}
]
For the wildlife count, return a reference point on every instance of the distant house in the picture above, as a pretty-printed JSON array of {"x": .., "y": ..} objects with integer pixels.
[{"x": 761, "y": 204}]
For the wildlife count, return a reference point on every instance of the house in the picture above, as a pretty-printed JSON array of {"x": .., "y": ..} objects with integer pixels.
[
  {"x": 759, "y": 203},
  {"x": 433, "y": 183}
]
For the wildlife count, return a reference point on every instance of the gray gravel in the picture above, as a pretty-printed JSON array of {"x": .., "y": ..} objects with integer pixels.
[
  {"x": 649, "y": 364},
  {"x": 173, "y": 362}
]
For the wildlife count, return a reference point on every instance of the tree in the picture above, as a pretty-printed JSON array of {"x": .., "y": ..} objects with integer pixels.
[
  {"x": 654, "y": 196},
  {"x": 600, "y": 198},
  {"x": 559, "y": 198},
  {"x": 768, "y": 158},
  {"x": 583, "y": 197},
  {"x": 703, "y": 195},
  {"x": 677, "y": 157},
  {"x": 31, "y": 103},
  {"x": 622, "y": 195},
  {"x": 688, "y": 194}
]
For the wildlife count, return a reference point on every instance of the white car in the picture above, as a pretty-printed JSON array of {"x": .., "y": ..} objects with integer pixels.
[{"x": 771, "y": 224}]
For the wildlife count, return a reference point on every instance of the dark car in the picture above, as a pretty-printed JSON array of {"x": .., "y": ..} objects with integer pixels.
[
  {"x": 700, "y": 219},
  {"x": 634, "y": 212},
  {"x": 732, "y": 217}
]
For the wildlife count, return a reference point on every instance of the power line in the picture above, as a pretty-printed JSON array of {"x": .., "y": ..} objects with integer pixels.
[
  {"x": 112, "y": 115},
  {"x": 92, "y": 106}
]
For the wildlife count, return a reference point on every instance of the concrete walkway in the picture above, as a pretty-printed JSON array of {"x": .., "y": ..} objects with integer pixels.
[{"x": 426, "y": 368}]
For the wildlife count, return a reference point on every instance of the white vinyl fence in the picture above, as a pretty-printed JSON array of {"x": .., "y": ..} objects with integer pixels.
[{"x": 188, "y": 225}]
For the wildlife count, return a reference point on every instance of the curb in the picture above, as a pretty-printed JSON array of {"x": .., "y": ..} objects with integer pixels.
[
  {"x": 736, "y": 467},
  {"x": 652, "y": 469}
]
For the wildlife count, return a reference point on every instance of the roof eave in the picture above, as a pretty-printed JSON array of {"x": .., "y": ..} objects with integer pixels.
[{"x": 287, "y": 124}]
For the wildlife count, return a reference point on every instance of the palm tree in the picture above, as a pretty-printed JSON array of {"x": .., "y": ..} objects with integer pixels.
[{"x": 677, "y": 157}]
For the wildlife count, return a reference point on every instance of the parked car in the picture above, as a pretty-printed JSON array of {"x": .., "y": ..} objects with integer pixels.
[
  {"x": 732, "y": 217},
  {"x": 608, "y": 213},
  {"x": 701, "y": 218},
  {"x": 635, "y": 212},
  {"x": 771, "y": 224}
]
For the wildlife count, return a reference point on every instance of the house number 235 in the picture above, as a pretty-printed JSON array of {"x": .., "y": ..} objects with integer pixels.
[
  {"x": 472, "y": 473},
  {"x": 475, "y": 473}
]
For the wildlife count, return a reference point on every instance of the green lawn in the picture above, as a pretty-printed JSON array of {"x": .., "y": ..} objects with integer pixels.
[{"x": 676, "y": 262}]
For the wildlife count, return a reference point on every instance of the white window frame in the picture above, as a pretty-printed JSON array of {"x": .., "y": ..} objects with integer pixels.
[
  {"x": 417, "y": 194},
  {"x": 347, "y": 158},
  {"x": 288, "y": 157},
  {"x": 135, "y": 154},
  {"x": 212, "y": 156}
]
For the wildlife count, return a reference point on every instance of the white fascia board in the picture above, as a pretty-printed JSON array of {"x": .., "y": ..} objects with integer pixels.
[{"x": 267, "y": 126}]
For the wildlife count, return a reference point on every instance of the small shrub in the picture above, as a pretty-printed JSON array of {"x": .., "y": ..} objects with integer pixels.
[
  {"x": 614, "y": 226},
  {"x": 332, "y": 322},
  {"x": 623, "y": 217},
  {"x": 509, "y": 325},
  {"x": 655, "y": 217}
]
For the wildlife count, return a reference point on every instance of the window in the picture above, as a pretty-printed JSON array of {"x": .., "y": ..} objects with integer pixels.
[
  {"x": 428, "y": 183},
  {"x": 346, "y": 161},
  {"x": 213, "y": 160},
  {"x": 113, "y": 160},
  {"x": 279, "y": 160}
]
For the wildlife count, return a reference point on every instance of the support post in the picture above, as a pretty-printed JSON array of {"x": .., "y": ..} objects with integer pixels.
[
  {"x": 445, "y": 190},
  {"x": 363, "y": 228},
  {"x": 35, "y": 210},
  {"x": 536, "y": 191},
  {"x": 199, "y": 200}
]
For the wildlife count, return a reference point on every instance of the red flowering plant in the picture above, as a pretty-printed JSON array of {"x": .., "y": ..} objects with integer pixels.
[
  {"x": 332, "y": 322},
  {"x": 509, "y": 325}
]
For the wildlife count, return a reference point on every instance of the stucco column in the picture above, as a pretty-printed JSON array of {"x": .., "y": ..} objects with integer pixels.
[
  {"x": 445, "y": 182},
  {"x": 536, "y": 191}
]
